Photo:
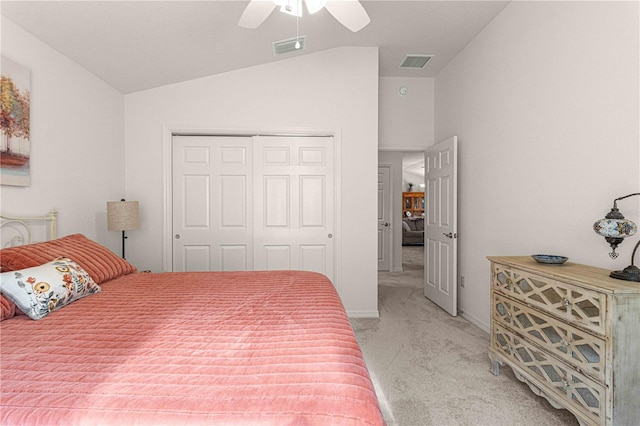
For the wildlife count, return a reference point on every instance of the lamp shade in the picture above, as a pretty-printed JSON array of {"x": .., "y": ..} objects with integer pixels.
[
  {"x": 123, "y": 215},
  {"x": 615, "y": 228}
]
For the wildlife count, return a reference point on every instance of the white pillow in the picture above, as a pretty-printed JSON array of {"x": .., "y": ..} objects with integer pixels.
[{"x": 43, "y": 289}]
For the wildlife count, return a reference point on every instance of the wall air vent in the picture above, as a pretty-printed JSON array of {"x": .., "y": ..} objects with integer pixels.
[
  {"x": 289, "y": 45},
  {"x": 415, "y": 62}
]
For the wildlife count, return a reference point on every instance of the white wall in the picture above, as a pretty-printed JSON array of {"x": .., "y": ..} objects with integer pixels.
[
  {"x": 77, "y": 141},
  {"x": 414, "y": 178},
  {"x": 545, "y": 104},
  {"x": 406, "y": 122},
  {"x": 333, "y": 89}
]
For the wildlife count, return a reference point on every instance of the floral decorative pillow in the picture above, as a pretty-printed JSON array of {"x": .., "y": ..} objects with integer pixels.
[{"x": 39, "y": 290}]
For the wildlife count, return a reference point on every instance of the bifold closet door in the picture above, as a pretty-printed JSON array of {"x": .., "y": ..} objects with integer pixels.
[
  {"x": 212, "y": 203},
  {"x": 294, "y": 204},
  {"x": 253, "y": 203}
]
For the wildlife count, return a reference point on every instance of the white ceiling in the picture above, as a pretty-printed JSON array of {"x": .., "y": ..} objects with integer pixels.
[{"x": 137, "y": 45}]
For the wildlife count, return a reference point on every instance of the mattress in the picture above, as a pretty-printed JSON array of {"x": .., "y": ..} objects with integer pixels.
[{"x": 215, "y": 348}]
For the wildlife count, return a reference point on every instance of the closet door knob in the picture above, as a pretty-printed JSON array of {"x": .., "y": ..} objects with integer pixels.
[{"x": 177, "y": 236}]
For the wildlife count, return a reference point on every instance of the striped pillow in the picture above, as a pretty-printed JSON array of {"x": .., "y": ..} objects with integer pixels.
[
  {"x": 7, "y": 308},
  {"x": 101, "y": 263}
]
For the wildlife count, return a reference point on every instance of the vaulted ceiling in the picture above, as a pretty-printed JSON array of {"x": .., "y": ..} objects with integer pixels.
[{"x": 137, "y": 45}]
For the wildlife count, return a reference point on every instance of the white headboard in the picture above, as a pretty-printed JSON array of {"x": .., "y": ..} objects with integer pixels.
[{"x": 16, "y": 231}]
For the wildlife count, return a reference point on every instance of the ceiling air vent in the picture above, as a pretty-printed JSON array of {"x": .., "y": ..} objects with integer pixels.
[
  {"x": 289, "y": 45},
  {"x": 415, "y": 62}
]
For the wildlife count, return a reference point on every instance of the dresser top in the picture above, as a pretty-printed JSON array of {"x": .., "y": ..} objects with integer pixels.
[{"x": 589, "y": 276}]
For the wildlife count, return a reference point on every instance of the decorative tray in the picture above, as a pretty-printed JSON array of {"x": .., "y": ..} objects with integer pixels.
[{"x": 549, "y": 259}]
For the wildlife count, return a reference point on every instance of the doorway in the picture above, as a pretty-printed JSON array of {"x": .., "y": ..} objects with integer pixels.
[
  {"x": 405, "y": 167},
  {"x": 413, "y": 206},
  {"x": 436, "y": 210}
]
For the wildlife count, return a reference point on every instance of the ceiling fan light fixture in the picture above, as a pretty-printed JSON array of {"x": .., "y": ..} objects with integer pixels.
[
  {"x": 290, "y": 7},
  {"x": 290, "y": 10},
  {"x": 294, "y": 7},
  {"x": 349, "y": 13},
  {"x": 315, "y": 5}
]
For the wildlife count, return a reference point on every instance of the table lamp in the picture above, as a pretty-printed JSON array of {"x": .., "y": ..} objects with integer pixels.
[{"x": 615, "y": 228}]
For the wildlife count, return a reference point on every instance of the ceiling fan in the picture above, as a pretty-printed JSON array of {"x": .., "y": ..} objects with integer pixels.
[{"x": 349, "y": 13}]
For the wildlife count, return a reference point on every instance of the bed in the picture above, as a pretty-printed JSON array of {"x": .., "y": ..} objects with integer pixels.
[{"x": 215, "y": 348}]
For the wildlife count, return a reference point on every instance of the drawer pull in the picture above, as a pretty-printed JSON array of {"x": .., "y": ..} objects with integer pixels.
[
  {"x": 565, "y": 384},
  {"x": 565, "y": 301},
  {"x": 565, "y": 342}
]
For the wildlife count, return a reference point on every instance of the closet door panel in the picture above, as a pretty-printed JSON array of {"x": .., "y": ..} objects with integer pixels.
[
  {"x": 212, "y": 203},
  {"x": 294, "y": 196}
]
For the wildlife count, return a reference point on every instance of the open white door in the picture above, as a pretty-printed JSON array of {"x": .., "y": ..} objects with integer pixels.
[
  {"x": 384, "y": 218},
  {"x": 441, "y": 228}
]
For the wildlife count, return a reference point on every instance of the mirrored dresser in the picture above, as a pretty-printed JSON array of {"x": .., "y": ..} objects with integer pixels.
[{"x": 571, "y": 333}]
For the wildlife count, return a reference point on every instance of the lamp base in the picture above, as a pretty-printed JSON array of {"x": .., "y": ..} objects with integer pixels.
[{"x": 630, "y": 273}]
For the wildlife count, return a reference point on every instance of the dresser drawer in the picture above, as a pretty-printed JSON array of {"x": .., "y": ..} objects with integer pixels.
[
  {"x": 581, "y": 306},
  {"x": 579, "y": 348},
  {"x": 563, "y": 382}
]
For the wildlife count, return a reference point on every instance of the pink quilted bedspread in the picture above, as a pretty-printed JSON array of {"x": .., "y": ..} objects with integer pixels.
[{"x": 234, "y": 348}]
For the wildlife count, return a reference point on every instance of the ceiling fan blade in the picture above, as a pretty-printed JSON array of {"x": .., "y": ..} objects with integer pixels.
[
  {"x": 349, "y": 13},
  {"x": 255, "y": 13}
]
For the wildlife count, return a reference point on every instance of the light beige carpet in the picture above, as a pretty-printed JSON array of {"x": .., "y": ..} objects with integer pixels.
[{"x": 432, "y": 369}]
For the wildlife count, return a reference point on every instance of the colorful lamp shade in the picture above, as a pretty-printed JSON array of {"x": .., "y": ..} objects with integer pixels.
[{"x": 615, "y": 228}]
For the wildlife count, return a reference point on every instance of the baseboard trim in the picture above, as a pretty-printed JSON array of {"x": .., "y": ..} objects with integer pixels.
[
  {"x": 475, "y": 321},
  {"x": 363, "y": 314}
]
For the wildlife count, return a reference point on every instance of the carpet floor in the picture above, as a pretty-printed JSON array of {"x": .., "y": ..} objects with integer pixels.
[{"x": 430, "y": 368}]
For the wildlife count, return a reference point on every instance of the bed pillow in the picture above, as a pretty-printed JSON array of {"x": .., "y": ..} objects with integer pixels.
[
  {"x": 7, "y": 308},
  {"x": 42, "y": 289},
  {"x": 100, "y": 262}
]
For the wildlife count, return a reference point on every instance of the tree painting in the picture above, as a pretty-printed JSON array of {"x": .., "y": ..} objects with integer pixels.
[{"x": 15, "y": 146}]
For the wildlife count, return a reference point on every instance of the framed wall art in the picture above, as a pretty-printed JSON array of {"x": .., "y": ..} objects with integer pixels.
[{"x": 15, "y": 142}]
